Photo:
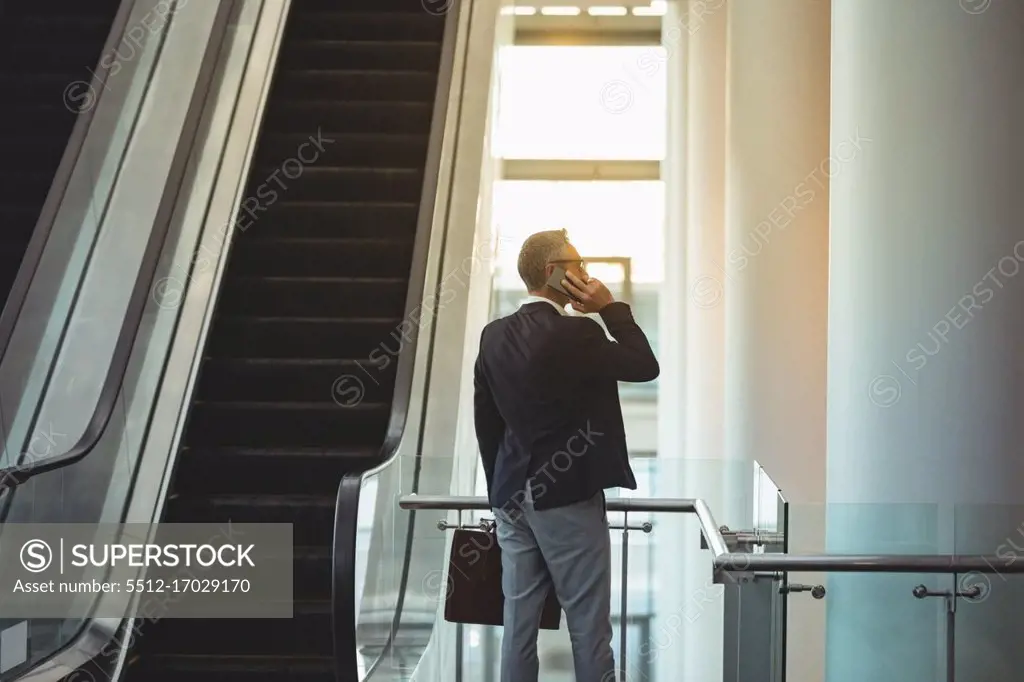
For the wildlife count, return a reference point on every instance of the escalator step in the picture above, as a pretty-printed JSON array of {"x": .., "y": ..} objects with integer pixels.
[
  {"x": 24, "y": 186},
  {"x": 39, "y": 87},
  {"x": 320, "y": 424},
  {"x": 286, "y": 337},
  {"x": 299, "y": 381},
  {"x": 308, "y": 632},
  {"x": 16, "y": 229},
  {"x": 313, "y": 516},
  {"x": 379, "y": 6},
  {"x": 361, "y": 54},
  {"x": 384, "y": 150},
  {"x": 37, "y": 151},
  {"x": 342, "y": 184},
  {"x": 66, "y": 8},
  {"x": 25, "y": 53},
  {"x": 307, "y": 117},
  {"x": 322, "y": 257},
  {"x": 361, "y": 86},
  {"x": 79, "y": 29},
  {"x": 309, "y": 471},
  {"x": 54, "y": 115},
  {"x": 166, "y": 668},
  {"x": 386, "y": 26},
  {"x": 312, "y": 571},
  {"x": 308, "y": 296},
  {"x": 342, "y": 219}
]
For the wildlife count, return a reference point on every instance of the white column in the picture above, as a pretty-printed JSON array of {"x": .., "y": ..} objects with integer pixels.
[
  {"x": 926, "y": 330},
  {"x": 703, "y": 474},
  {"x": 776, "y": 264},
  {"x": 776, "y": 267},
  {"x": 686, "y": 638},
  {"x": 705, "y": 234},
  {"x": 662, "y": 653},
  {"x": 672, "y": 308}
]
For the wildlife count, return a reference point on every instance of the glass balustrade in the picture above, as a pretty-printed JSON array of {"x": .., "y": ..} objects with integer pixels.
[
  {"x": 900, "y": 625},
  {"x": 662, "y": 578}
]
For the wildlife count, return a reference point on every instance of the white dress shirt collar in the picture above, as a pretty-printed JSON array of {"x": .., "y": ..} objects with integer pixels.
[
  {"x": 537, "y": 299},
  {"x": 571, "y": 312}
]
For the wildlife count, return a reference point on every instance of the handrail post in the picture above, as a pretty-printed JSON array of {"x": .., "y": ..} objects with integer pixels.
[
  {"x": 645, "y": 527},
  {"x": 623, "y": 597},
  {"x": 951, "y": 638}
]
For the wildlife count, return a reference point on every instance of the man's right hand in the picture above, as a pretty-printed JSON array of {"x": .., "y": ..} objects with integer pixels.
[{"x": 593, "y": 295}]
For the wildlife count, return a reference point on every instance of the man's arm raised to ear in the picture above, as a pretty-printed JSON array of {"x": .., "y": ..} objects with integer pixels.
[{"x": 630, "y": 359}]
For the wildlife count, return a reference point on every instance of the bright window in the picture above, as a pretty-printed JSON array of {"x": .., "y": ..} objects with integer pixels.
[
  {"x": 582, "y": 103},
  {"x": 622, "y": 219}
]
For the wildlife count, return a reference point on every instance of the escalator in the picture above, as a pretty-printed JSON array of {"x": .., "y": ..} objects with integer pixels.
[
  {"x": 48, "y": 50},
  {"x": 299, "y": 368}
]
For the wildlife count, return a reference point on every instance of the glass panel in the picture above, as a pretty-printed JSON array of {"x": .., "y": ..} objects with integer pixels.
[
  {"x": 868, "y": 613},
  {"x": 767, "y": 496},
  {"x": 595, "y": 102},
  {"x": 687, "y": 607},
  {"x": 987, "y": 628},
  {"x": 903, "y": 620},
  {"x": 98, "y": 488},
  {"x": 407, "y": 553}
]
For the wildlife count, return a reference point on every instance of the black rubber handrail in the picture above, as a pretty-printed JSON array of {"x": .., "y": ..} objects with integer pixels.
[
  {"x": 14, "y": 476},
  {"x": 343, "y": 579}
]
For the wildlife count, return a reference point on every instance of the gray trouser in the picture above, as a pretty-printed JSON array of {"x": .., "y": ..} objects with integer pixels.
[{"x": 570, "y": 547}]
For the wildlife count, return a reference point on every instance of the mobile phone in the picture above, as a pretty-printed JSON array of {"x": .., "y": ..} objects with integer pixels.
[{"x": 555, "y": 282}]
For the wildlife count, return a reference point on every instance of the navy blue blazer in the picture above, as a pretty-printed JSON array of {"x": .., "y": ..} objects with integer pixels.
[{"x": 546, "y": 406}]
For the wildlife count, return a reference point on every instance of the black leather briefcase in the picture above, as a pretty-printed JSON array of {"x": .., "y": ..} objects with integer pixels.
[{"x": 473, "y": 595}]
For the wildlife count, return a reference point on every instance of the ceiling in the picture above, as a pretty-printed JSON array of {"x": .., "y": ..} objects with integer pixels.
[{"x": 589, "y": 22}]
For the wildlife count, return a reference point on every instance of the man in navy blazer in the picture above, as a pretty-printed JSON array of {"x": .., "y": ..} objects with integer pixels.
[{"x": 549, "y": 427}]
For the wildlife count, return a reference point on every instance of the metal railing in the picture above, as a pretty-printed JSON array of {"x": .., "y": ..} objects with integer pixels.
[{"x": 726, "y": 562}]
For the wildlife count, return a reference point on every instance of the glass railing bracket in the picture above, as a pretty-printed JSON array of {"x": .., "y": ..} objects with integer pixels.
[
  {"x": 483, "y": 524},
  {"x": 817, "y": 591},
  {"x": 972, "y": 593}
]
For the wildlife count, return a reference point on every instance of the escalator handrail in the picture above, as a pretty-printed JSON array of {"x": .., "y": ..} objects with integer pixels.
[
  {"x": 343, "y": 578},
  {"x": 13, "y": 476}
]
